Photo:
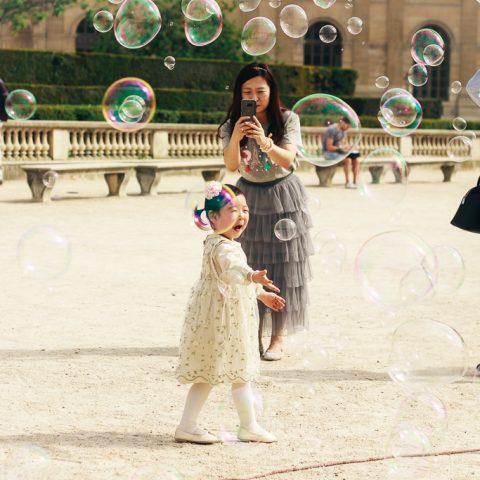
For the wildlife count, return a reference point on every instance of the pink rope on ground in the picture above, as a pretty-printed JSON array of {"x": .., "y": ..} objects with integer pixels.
[{"x": 351, "y": 462}]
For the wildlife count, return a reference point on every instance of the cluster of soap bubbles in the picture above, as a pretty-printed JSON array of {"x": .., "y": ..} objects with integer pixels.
[
  {"x": 400, "y": 112},
  {"x": 322, "y": 110},
  {"x": 397, "y": 269},
  {"x": 129, "y": 104}
]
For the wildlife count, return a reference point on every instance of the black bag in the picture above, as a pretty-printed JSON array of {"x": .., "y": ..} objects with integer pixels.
[{"x": 468, "y": 213}]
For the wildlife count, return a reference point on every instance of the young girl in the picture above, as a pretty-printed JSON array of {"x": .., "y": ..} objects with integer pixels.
[
  {"x": 263, "y": 150},
  {"x": 219, "y": 339}
]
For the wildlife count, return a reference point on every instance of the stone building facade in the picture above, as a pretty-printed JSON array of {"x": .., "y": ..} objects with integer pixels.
[{"x": 382, "y": 48}]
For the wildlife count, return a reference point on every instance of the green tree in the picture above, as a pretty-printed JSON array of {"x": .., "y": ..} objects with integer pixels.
[{"x": 20, "y": 13}]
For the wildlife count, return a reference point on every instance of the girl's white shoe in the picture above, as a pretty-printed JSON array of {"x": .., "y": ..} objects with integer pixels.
[
  {"x": 257, "y": 435},
  {"x": 199, "y": 436}
]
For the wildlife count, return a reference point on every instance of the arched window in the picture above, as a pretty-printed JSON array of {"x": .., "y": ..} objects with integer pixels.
[
  {"x": 316, "y": 52},
  {"x": 87, "y": 36},
  {"x": 438, "y": 77}
]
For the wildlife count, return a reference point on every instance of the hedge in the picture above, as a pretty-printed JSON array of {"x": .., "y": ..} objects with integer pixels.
[
  {"x": 192, "y": 100},
  {"x": 53, "y": 68},
  {"x": 94, "y": 113}
]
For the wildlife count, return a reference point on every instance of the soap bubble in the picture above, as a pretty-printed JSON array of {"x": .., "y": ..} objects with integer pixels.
[
  {"x": 198, "y": 10},
  {"x": 421, "y": 39},
  {"x": 459, "y": 123},
  {"x": 275, "y": 3},
  {"x": 201, "y": 33},
  {"x": 382, "y": 82},
  {"x": 123, "y": 94},
  {"x": 393, "y": 270},
  {"x": 322, "y": 110},
  {"x": 43, "y": 253},
  {"x": 355, "y": 25},
  {"x": 330, "y": 252},
  {"x": 49, "y": 178},
  {"x": 449, "y": 271},
  {"x": 433, "y": 55},
  {"x": 285, "y": 229},
  {"x": 417, "y": 75},
  {"x": 400, "y": 112},
  {"x": 169, "y": 62},
  {"x": 259, "y": 36},
  {"x": 348, "y": 4},
  {"x": 427, "y": 353},
  {"x": 459, "y": 148},
  {"x": 249, "y": 5},
  {"x": 137, "y": 23},
  {"x": 456, "y": 87},
  {"x": 382, "y": 177},
  {"x": 294, "y": 21},
  {"x": 328, "y": 34},
  {"x": 20, "y": 104},
  {"x": 324, "y": 3},
  {"x": 103, "y": 21}
]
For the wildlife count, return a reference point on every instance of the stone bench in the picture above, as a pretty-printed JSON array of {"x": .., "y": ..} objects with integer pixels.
[
  {"x": 325, "y": 174},
  {"x": 117, "y": 174}
]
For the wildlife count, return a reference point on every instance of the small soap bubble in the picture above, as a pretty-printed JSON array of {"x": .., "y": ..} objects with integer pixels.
[
  {"x": 248, "y": 5},
  {"x": 285, "y": 229},
  {"x": 259, "y": 36},
  {"x": 382, "y": 81},
  {"x": 355, "y": 25},
  {"x": 116, "y": 2},
  {"x": 294, "y": 21},
  {"x": 275, "y": 3},
  {"x": 324, "y": 3},
  {"x": 132, "y": 109},
  {"x": 169, "y": 62},
  {"x": 417, "y": 75},
  {"x": 20, "y": 104},
  {"x": 456, "y": 87},
  {"x": 348, "y": 5},
  {"x": 328, "y": 34},
  {"x": 103, "y": 21},
  {"x": 459, "y": 123},
  {"x": 459, "y": 148},
  {"x": 433, "y": 55},
  {"x": 49, "y": 178}
]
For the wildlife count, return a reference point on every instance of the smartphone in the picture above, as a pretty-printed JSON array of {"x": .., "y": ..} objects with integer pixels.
[{"x": 248, "y": 108}]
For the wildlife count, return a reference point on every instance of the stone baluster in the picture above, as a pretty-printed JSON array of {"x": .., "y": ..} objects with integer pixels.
[
  {"x": 95, "y": 147},
  {"x": 45, "y": 144},
  {"x": 16, "y": 145},
  {"x": 81, "y": 143}
]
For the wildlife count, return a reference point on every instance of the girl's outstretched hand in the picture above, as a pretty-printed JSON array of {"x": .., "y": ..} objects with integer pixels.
[
  {"x": 272, "y": 300},
  {"x": 260, "y": 276}
]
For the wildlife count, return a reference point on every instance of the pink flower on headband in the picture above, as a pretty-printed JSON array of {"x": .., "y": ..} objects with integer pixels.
[{"x": 212, "y": 189}]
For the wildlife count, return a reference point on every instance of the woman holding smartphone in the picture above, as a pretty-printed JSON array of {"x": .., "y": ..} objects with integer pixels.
[{"x": 262, "y": 146}]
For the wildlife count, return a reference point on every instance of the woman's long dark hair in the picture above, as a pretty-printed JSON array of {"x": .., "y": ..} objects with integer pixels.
[{"x": 274, "y": 109}]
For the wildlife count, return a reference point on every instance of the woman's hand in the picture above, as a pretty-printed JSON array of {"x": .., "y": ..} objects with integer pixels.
[
  {"x": 239, "y": 130},
  {"x": 272, "y": 300},
  {"x": 254, "y": 129}
]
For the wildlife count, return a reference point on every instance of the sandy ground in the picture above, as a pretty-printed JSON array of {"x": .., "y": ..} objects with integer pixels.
[{"x": 88, "y": 360}]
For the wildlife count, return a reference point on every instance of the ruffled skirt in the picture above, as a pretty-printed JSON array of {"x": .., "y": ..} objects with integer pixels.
[{"x": 287, "y": 262}]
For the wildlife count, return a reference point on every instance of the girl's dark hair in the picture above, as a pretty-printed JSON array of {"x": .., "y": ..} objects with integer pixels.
[
  {"x": 274, "y": 109},
  {"x": 200, "y": 216}
]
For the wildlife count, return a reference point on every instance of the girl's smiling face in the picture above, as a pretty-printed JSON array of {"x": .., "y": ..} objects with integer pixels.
[{"x": 232, "y": 219}]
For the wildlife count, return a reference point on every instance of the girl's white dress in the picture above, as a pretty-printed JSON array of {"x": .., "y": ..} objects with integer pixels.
[{"x": 219, "y": 342}]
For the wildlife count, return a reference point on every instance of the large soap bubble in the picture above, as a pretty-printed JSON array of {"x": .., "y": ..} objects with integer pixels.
[
  {"x": 20, "y": 104},
  {"x": 129, "y": 104},
  {"x": 395, "y": 270},
  {"x": 383, "y": 177},
  {"x": 43, "y": 253},
  {"x": 294, "y": 21},
  {"x": 400, "y": 112},
  {"x": 259, "y": 36},
  {"x": 201, "y": 33},
  {"x": 427, "y": 353},
  {"x": 421, "y": 39},
  {"x": 137, "y": 23},
  {"x": 322, "y": 110}
]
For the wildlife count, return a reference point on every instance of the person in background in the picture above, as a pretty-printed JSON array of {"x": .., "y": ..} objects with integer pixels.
[{"x": 3, "y": 118}]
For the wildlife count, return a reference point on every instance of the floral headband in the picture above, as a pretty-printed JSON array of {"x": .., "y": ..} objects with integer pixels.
[{"x": 212, "y": 189}]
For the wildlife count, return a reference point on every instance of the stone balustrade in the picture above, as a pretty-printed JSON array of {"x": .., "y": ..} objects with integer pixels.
[{"x": 43, "y": 141}]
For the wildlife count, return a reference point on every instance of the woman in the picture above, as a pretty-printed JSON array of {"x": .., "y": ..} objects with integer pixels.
[{"x": 263, "y": 149}]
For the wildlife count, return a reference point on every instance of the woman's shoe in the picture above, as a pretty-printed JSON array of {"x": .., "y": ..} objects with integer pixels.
[
  {"x": 202, "y": 437},
  {"x": 272, "y": 356},
  {"x": 261, "y": 436}
]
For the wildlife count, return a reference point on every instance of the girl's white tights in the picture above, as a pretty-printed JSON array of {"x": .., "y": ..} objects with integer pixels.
[{"x": 197, "y": 396}]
